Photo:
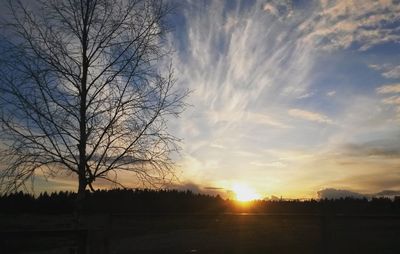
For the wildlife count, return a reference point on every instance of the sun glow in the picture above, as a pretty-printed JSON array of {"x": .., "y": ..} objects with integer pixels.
[{"x": 244, "y": 193}]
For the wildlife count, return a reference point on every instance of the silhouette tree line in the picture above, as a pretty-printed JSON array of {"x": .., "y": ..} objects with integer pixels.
[
  {"x": 148, "y": 201},
  {"x": 341, "y": 206}
]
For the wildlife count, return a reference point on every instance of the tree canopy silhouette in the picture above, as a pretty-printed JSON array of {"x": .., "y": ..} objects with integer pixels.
[
  {"x": 161, "y": 201},
  {"x": 86, "y": 89}
]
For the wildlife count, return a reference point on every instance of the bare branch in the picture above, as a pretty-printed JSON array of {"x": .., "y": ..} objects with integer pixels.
[{"x": 82, "y": 91}]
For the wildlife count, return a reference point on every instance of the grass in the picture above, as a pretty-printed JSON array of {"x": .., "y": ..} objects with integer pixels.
[{"x": 227, "y": 233}]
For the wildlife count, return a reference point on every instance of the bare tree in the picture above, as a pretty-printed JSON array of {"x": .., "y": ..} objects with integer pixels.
[{"x": 85, "y": 90}]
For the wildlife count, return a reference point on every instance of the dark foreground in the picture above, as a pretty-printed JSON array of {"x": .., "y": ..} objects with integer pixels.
[{"x": 224, "y": 233}]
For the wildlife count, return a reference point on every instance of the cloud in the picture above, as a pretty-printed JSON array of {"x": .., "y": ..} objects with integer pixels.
[
  {"x": 393, "y": 88},
  {"x": 366, "y": 176},
  {"x": 381, "y": 148},
  {"x": 393, "y": 73},
  {"x": 242, "y": 65},
  {"x": 389, "y": 71},
  {"x": 245, "y": 66},
  {"x": 264, "y": 119},
  {"x": 387, "y": 193},
  {"x": 342, "y": 23},
  {"x": 217, "y": 146},
  {"x": 393, "y": 100},
  {"x": 376, "y": 181},
  {"x": 331, "y": 93},
  {"x": 278, "y": 8},
  {"x": 306, "y": 95},
  {"x": 310, "y": 116},
  {"x": 255, "y": 67},
  {"x": 274, "y": 164},
  {"x": 268, "y": 7},
  {"x": 331, "y": 193}
]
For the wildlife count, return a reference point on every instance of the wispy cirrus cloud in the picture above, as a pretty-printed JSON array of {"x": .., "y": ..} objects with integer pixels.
[
  {"x": 240, "y": 70},
  {"x": 393, "y": 99},
  {"x": 389, "y": 71},
  {"x": 288, "y": 96},
  {"x": 310, "y": 116},
  {"x": 387, "y": 89},
  {"x": 255, "y": 67},
  {"x": 377, "y": 148},
  {"x": 331, "y": 93},
  {"x": 339, "y": 24}
]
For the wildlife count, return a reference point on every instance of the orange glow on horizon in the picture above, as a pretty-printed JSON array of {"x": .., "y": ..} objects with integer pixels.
[{"x": 243, "y": 193}]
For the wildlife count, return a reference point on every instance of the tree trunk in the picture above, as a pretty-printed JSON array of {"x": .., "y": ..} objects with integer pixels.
[
  {"x": 82, "y": 119},
  {"x": 79, "y": 224},
  {"x": 80, "y": 199}
]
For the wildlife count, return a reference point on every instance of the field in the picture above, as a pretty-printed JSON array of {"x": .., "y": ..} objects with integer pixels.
[{"x": 225, "y": 233}]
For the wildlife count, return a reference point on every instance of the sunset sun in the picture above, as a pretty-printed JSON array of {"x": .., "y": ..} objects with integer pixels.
[{"x": 244, "y": 193}]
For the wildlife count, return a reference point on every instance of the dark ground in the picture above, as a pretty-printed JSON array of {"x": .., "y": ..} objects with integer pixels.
[{"x": 224, "y": 233}]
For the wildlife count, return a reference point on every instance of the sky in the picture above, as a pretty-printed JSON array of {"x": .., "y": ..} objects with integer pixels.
[{"x": 289, "y": 97}]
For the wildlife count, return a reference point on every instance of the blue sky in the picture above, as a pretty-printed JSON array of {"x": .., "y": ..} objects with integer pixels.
[{"x": 289, "y": 97}]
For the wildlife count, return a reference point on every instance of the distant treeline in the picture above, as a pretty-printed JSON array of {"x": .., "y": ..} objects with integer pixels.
[{"x": 172, "y": 201}]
